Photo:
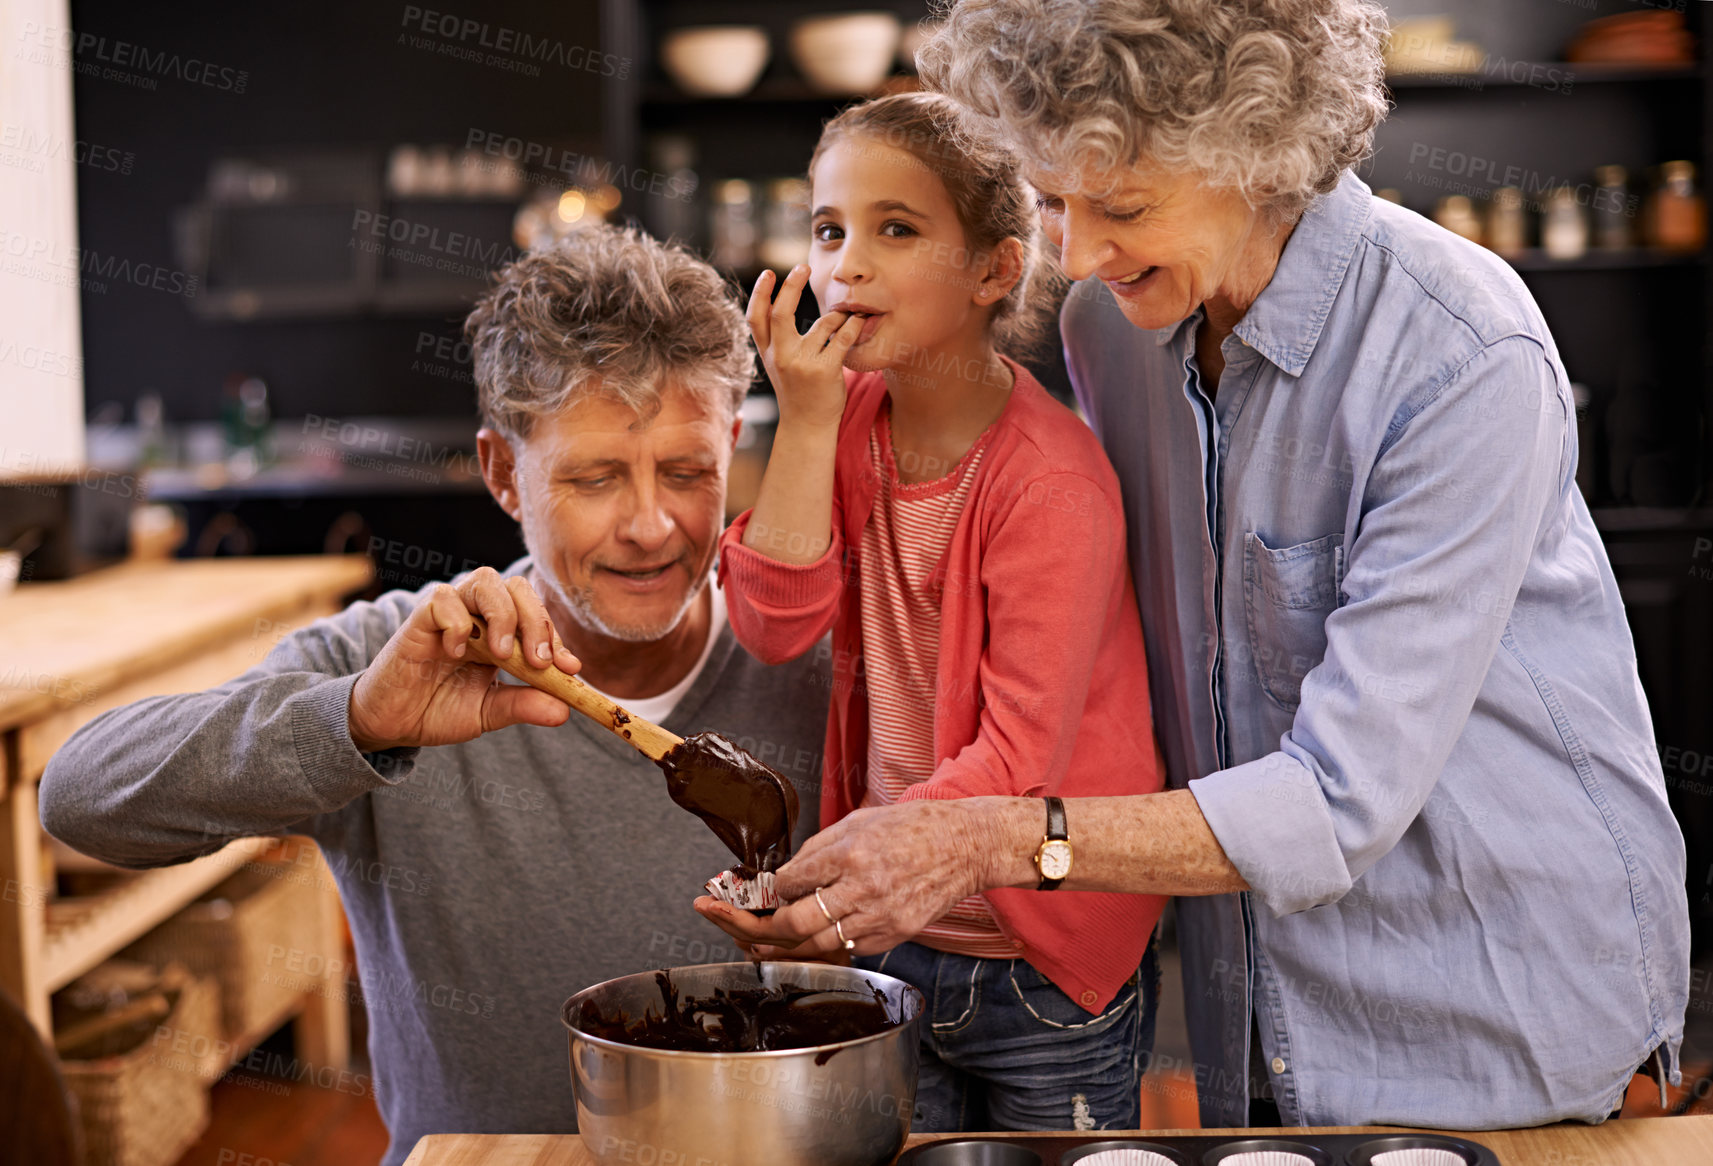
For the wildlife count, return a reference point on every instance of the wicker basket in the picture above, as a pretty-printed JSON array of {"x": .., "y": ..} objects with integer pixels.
[
  {"x": 145, "y": 1106},
  {"x": 259, "y": 934}
]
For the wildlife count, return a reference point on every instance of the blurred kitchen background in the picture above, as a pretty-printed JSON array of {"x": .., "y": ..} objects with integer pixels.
[{"x": 279, "y": 245}]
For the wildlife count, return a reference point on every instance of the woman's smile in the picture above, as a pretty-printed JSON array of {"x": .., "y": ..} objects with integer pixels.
[{"x": 1137, "y": 283}]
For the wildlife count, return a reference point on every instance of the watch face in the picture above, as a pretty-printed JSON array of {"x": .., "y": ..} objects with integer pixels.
[{"x": 1055, "y": 859}]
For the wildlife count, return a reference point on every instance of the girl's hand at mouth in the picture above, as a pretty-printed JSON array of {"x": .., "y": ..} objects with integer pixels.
[{"x": 807, "y": 370}]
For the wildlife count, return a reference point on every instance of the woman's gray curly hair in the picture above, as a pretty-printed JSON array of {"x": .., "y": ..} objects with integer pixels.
[
  {"x": 1273, "y": 98},
  {"x": 610, "y": 311}
]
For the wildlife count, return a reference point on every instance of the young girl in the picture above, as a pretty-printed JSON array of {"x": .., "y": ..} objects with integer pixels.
[{"x": 961, "y": 533}]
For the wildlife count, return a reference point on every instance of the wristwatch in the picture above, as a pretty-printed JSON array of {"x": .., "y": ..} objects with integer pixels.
[{"x": 1053, "y": 856}]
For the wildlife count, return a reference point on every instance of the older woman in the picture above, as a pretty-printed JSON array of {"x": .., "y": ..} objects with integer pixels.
[{"x": 1429, "y": 872}]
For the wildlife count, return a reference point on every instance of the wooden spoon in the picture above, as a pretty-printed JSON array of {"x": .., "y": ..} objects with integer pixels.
[
  {"x": 652, "y": 741},
  {"x": 751, "y": 808}
]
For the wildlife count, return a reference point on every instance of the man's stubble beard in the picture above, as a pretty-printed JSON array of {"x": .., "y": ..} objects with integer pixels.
[{"x": 579, "y": 603}]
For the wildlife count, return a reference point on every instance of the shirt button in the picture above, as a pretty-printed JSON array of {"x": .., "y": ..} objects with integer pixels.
[
  {"x": 1278, "y": 1064},
  {"x": 1089, "y": 998}
]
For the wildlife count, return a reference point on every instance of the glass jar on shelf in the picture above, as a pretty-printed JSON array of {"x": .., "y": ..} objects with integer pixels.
[
  {"x": 785, "y": 237},
  {"x": 1564, "y": 227},
  {"x": 732, "y": 225},
  {"x": 674, "y": 212},
  {"x": 1508, "y": 223},
  {"x": 1676, "y": 213},
  {"x": 1612, "y": 209},
  {"x": 1457, "y": 215}
]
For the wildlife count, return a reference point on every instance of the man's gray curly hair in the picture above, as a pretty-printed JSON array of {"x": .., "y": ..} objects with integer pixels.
[
  {"x": 611, "y": 311},
  {"x": 1272, "y": 98}
]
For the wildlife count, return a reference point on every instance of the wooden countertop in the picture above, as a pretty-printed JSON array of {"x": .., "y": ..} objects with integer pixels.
[
  {"x": 61, "y": 642},
  {"x": 1646, "y": 1141}
]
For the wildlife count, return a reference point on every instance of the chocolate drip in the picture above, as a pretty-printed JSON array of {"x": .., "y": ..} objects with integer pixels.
[
  {"x": 744, "y": 1020},
  {"x": 748, "y": 806}
]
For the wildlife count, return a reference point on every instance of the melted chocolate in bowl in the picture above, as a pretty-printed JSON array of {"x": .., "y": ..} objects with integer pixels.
[
  {"x": 748, "y": 806},
  {"x": 656, "y": 1063},
  {"x": 744, "y": 1020}
]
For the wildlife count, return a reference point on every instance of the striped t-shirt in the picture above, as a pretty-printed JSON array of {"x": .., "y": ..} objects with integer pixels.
[{"x": 902, "y": 545}]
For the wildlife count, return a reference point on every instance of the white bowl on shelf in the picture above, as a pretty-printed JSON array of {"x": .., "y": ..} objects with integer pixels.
[
  {"x": 851, "y": 52},
  {"x": 715, "y": 60}
]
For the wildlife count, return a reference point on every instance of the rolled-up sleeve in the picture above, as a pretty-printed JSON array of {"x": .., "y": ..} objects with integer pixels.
[{"x": 1460, "y": 491}]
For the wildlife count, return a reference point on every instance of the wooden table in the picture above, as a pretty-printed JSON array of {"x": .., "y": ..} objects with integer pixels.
[
  {"x": 71, "y": 650},
  {"x": 1646, "y": 1141}
]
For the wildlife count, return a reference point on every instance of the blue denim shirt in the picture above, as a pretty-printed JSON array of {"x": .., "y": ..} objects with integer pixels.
[{"x": 1389, "y": 659}]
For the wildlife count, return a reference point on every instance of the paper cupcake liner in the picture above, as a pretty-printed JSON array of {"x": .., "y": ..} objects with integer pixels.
[
  {"x": 1420, "y": 1156},
  {"x": 1126, "y": 1158},
  {"x": 757, "y": 894},
  {"x": 1270, "y": 1158}
]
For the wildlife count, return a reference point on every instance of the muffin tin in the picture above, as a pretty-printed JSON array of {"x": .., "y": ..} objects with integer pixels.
[{"x": 1282, "y": 1149}]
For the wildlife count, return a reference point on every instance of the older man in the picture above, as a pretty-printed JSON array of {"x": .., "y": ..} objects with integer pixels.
[{"x": 546, "y": 855}]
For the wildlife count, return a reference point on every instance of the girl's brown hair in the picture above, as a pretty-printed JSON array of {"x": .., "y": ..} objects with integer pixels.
[{"x": 992, "y": 200}]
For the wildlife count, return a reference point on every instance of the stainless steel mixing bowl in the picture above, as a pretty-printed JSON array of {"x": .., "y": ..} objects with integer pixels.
[{"x": 844, "y": 1104}]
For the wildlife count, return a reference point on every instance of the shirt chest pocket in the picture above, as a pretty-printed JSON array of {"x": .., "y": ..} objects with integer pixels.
[{"x": 1288, "y": 594}]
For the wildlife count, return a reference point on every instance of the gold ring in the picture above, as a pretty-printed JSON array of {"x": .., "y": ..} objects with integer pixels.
[
  {"x": 839, "y": 929},
  {"x": 822, "y": 904}
]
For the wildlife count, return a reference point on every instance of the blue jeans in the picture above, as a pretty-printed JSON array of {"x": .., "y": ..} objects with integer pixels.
[{"x": 1004, "y": 1049}]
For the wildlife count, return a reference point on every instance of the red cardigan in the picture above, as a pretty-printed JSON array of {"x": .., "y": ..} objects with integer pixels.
[{"x": 1040, "y": 638}]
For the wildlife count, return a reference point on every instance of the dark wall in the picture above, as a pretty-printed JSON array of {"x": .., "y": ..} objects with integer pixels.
[{"x": 313, "y": 76}]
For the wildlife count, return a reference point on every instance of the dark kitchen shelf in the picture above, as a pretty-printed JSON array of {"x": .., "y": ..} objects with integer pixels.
[
  {"x": 1650, "y": 519},
  {"x": 773, "y": 91},
  {"x": 429, "y": 297},
  {"x": 338, "y": 301},
  {"x": 1628, "y": 259},
  {"x": 301, "y": 301},
  {"x": 291, "y": 481},
  {"x": 1505, "y": 78}
]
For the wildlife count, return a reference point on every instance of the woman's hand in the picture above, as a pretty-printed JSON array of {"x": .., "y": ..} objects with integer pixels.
[
  {"x": 422, "y": 688},
  {"x": 884, "y": 873},
  {"x": 807, "y": 371}
]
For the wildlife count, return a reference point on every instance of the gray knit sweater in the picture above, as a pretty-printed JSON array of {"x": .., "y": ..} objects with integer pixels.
[{"x": 484, "y": 882}]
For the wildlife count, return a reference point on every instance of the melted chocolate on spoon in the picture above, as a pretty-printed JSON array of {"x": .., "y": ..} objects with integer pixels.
[
  {"x": 748, "y": 806},
  {"x": 744, "y": 1020}
]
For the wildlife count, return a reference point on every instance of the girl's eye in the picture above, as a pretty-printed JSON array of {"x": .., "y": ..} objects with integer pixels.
[
  {"x": 1047, "y": 204},
  {"x": 904, "y": 231},
  {"x": 827, "y": 232}
]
